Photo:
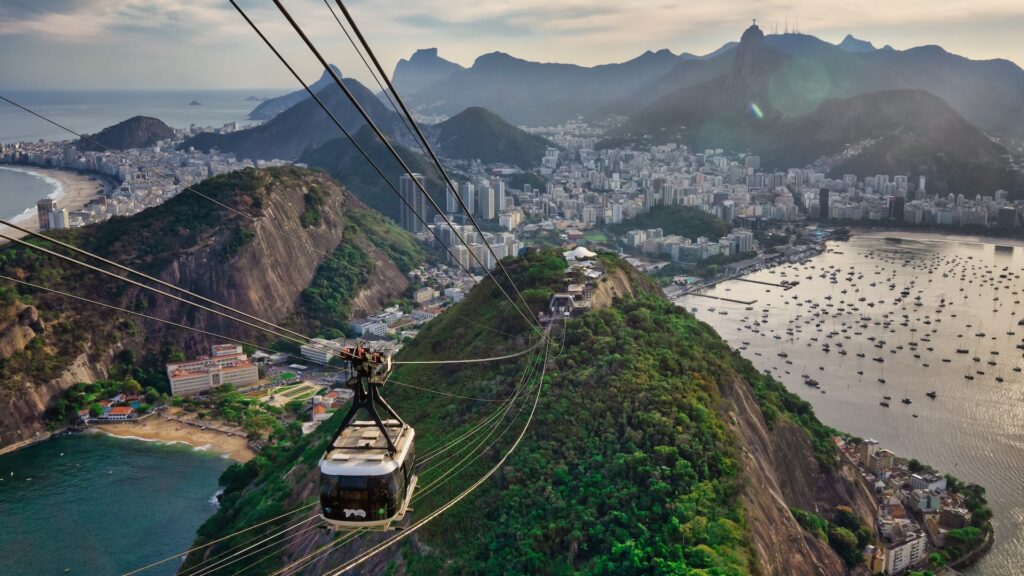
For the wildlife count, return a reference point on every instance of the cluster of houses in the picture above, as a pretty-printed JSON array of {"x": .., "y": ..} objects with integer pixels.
[
  {"x": 118, "y": 408},
  {"x": 915, "y": 509},
  {"x": 392, "y": 320}
]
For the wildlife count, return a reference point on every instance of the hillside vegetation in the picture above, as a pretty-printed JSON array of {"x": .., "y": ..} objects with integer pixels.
[
  {"x": 135, "y": 132},
  {"x": 479, "y": 134},
  {"x": 685, "y": 221},
  {"x": 631, "y": 466},
  {"x": 294, "y": 248},
  {"x": 339, "y": 158}
]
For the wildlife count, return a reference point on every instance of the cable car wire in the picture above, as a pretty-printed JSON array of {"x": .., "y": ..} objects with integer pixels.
[
  {"x": 146, "y": 287},
  {"x": 425, "y": 144},
  {"x": 302, "y": 339},
  {"x": 221, "y": 539},
  {"x": 222, "y": 560},
  {"x": 391, "y": 149},
  {"x": 147, "y": 277},
  {"x": 409, "y": 530},
  {"x": 170, "y": 177},
  {"x": 328, "y": 548},
  {"x": 348, "y": 135}
]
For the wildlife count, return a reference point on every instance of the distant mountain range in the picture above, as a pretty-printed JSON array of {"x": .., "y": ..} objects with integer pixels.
[
  {"x": 135, "y": 132},
  {"x": 479, "y": 134},
  {"x": 271, "y": 107},
  {"x": 302, "y": 127},
  {"x": 776, "y": 99},
  {"x": 422, "y": 69},
  {"x": 988, "y": 93}
]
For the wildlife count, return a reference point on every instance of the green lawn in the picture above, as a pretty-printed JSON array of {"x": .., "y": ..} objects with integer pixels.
[{"x": 596, "y": 237}]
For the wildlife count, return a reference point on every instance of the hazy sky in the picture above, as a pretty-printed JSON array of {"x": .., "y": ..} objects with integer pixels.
[{"x": 159, "y": 44}]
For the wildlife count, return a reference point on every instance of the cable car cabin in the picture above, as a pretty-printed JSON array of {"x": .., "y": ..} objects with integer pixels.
[{"x": 363, "y": 485}]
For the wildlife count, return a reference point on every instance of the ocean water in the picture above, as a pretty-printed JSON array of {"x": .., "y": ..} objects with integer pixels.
[
  {"x": 91, "y": 111},
  {"x": 102, "y": 505},
  {"x": 966, "y": 287},
  {"x": 20, "y": 189}
]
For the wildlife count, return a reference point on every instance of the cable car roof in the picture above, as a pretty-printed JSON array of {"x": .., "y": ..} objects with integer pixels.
[{"x": 362, "y": 450}]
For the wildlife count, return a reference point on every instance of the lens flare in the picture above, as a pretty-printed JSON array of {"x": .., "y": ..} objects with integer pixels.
[{"x": 756, "y": 111}]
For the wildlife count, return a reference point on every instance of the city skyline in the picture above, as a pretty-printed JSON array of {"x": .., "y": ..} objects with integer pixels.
[{"x": 72, "y": 45}]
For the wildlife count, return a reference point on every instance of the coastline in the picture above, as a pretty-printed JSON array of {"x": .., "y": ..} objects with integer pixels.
[
  {"x": 73, "y": 190},
  {"x": 159, "y": 428}
]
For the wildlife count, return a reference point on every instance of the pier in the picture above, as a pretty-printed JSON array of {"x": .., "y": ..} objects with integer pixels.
[
  {"x": 786, "y": 286},
  {"x": 724, "y": 299}
]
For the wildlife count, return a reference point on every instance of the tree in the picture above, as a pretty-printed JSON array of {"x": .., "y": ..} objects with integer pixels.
[
  {"x": 95, "y": 410},
  {"x": 131, "y": 386},
  {"x": 844, "y": 543}
]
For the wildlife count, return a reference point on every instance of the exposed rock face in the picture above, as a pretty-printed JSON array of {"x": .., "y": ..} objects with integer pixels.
[
  {"x": 266, "y": 277},
  {"x": 422, "y": 69},
  {"x": 781, "y": 472},
  {"x": 22, "y": 407},
  {"x": 263, "y": 275},
  {"x": 619, "y": 282},
  {"x": 21, "y": 325}
]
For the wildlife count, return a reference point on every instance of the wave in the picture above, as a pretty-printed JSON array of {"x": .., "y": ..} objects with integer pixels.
[{"x": 57, "y": 194}]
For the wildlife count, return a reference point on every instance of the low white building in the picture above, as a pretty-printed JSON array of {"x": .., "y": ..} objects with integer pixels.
[{"x": 318, "y": 350}]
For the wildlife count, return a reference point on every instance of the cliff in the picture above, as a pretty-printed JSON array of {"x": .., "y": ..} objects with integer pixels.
[
  {"x": 655, "y": 449},
  {"x": 301, "y": 252}
]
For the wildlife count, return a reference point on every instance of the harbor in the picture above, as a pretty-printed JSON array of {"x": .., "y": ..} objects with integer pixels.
[{"x": 915, "y": 341}]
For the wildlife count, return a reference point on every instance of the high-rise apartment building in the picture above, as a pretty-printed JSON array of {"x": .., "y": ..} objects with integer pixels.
[{"x": 415, "y": 203}]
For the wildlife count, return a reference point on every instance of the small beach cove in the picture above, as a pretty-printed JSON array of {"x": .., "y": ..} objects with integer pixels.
[
  {"x": 22, "y": 186},
  {"x": 106, "y": 499}
]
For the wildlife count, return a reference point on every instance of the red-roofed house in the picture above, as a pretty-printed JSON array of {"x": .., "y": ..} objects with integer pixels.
[{"x": 120, "y": 413}]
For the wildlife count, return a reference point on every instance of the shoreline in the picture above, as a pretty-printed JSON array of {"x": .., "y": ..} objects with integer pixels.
[
  {"x": 159, "y": 428},
  {"x": 72, "y": 191}
]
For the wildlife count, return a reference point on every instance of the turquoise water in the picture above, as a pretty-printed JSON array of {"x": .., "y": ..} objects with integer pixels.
[
  {"x": 19, "y": 191},
  {"x": 101, "y": 505}
]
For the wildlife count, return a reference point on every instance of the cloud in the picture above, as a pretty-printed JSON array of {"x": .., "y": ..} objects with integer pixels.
[{"x": 104, "y": 20}]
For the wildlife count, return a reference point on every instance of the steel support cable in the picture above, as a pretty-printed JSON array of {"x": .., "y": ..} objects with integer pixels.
[
  {"x": 427, "y": 147},
  {"x": 285, "y": 541},
  {"x": 221, "y": 539},
  {"x": 466, "y": 460},
  {"x": 372, "y": 74},
  {"x": 144, "y": 286},
  {"x": 219, "y": 561},
  {"x": 429, "y": 455},
  {"x": 391, "y": 149},
  {"x": 408, "y": 531},
  {"x": 328, "y": 548},
  {"x": 223, "y": 337},
  {"x": 438, "y": 392},
  {"x": 275, "y": 552},
  {"x": 170, "y": 177},
  {"x": 347, "y": 134},
  {"x": 513, "y": 397},
  {"x": 122, "y": 267},
  {"x": 301, "y": 340},
  {"x": 474, "y": 360}
]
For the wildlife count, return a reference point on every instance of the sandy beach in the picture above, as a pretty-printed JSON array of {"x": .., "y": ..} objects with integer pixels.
[
  {"x": 77, "y": 190},
  {"x": 159, "y": 428}
]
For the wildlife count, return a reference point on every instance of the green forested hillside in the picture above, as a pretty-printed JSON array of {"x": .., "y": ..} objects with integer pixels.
[
  {"x": 629, "y": 466},
  {"x": 679, "y": 220},
  {"x": 339, "y": 158}
]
